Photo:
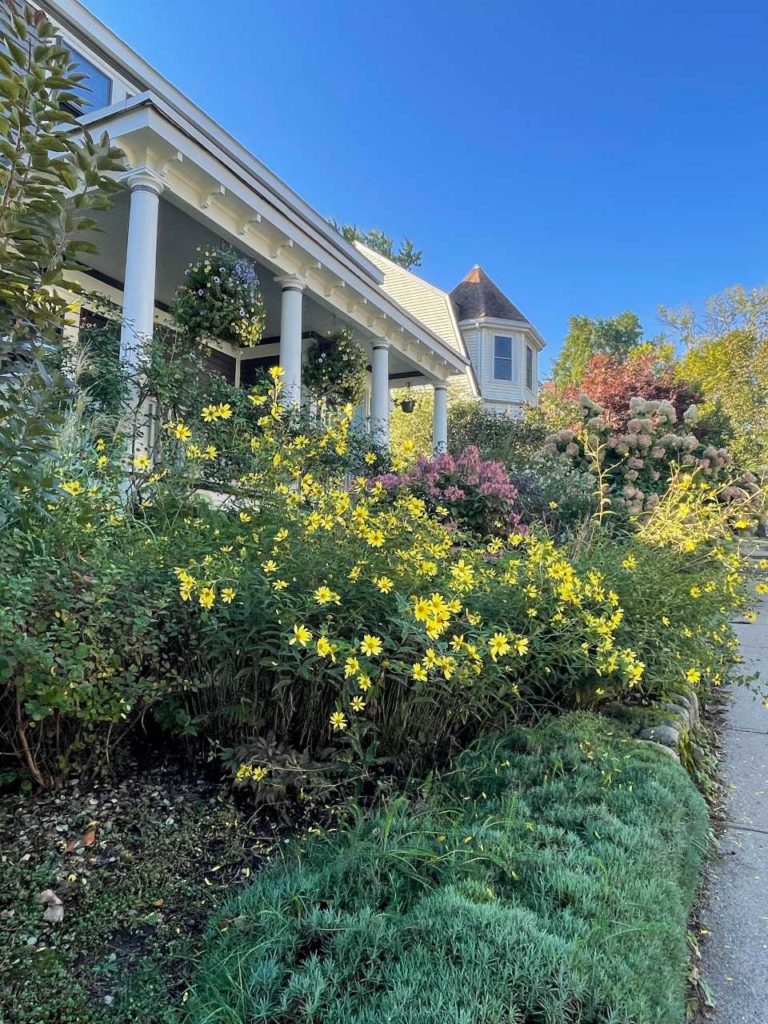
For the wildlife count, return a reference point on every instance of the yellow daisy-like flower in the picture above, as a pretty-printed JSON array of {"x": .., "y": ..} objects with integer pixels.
[
  {"x": 351, "y": 666},
  {"x": 522, "y": 645},
  {"x": 209, "y": 413},
  {"x": 419, "y": 673},
  {"x": 325, "y": 648},
  {"x": 100, "y": 444},
  {"x": 258, "y": 773},
  {"x": 279, "y": 585},
  {"x": 498, "y": 645},
  {"x": 207, "y": 597},
  {"x": 370, "y": 458},
  {"x": 269, "y": 567},
  {"x": 182, "y": 432},
  {"x": 383, "y": 583},
  {"x": 375, "y": 538},
  {"x": 224, "y": 411},
  {"x": 275, "y": 372},
  {"x": 693, "y": 676},
  {"x": 245, "y": 517},
  {"x": 364, "y": 681},
  {"x": 324, "y": 595},
  {"x": 72, "y": 487},
  {"x": 228, "y": 595},
  {"x": 142, "y": 462},
  {"x": 357, "y": 704},
  {"x": 371, "y": 646},
  {"x": 301, "y": 636},
  {"x": 338, "y": 721}
]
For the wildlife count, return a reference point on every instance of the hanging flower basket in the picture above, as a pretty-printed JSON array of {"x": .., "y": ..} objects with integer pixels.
[
  {"x": 335, "y": 369},
  {"x": 221, "y": 298}
]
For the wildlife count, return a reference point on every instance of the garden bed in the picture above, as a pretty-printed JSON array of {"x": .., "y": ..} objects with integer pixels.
[{"x": 140, "y": 862}]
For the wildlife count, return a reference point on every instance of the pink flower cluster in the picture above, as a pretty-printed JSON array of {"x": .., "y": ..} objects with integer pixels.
[{"x": 478, "y": 491}]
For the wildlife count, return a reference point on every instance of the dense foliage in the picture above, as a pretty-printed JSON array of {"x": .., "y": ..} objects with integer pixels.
[
  {"x": 51, "y": 181},
  {"x": 509, "y": 897}
]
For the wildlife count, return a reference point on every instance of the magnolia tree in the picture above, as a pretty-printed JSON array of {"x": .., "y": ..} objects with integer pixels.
[{"x": 635, "y": 465}]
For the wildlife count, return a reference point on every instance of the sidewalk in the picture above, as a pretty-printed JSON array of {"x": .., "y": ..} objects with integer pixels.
[{"x": 736, "y": 951}]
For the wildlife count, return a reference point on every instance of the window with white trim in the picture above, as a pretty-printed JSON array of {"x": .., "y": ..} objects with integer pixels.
[
  {"x": 502, "y": 358},
  {"x": 529, "y": 367},
  {"x": 96, "y": 88}
]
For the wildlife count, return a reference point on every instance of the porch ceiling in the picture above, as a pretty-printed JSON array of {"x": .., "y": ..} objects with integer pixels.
[{"x": 180, "y": 233}]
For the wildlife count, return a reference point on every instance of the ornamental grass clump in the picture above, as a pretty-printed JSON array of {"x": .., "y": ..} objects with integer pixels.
[{"x": 548, "y": 878}]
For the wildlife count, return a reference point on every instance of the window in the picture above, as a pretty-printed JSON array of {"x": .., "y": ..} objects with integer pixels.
[
  {"x": 502, "y": 358},
  {"x": 96, "y": 89},
  {"x": 529, "y": 367}
]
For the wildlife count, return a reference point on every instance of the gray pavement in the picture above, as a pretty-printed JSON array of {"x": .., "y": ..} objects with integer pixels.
[{"x": 736, "y": 950}]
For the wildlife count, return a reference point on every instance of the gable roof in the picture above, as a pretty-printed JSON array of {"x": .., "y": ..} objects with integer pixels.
[
  {"x": 428, "y": 303},
  {"x": 477, "y": 298}
]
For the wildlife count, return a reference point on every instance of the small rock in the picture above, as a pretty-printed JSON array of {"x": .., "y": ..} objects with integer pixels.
[{"x": 666, "y": 735}]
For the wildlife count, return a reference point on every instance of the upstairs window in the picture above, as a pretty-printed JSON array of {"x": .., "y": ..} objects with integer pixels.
[
  {"x": 96, "y": 89},
  {"x": 502, "y": 358},
  {"x": 529, "y": 367}
]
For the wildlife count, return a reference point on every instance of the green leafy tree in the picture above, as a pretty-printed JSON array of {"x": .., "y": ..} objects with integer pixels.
[
  {"x": 727, "y": 356},
  {"x": 53, "y": 174},
  {"x": 615, "y": 336},
  {"x": 406, "y": 255}
]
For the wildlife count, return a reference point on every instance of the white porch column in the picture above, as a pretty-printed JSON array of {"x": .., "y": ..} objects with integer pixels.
[
  {"x": 440, "y": 417},
  {"x": 290, "y": 338},
  {"x": 140, "y": 265},
  {"x": 380, "y": 394}
]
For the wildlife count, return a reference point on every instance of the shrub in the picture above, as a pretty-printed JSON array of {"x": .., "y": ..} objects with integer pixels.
[
  {"x": 476, "y": 492},
  {"x": 510, "y": 896},
  {"x": 634, "y": 468}
]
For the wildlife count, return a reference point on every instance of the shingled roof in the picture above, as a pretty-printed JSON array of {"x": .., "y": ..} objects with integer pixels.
[{"x": 477, "y": 297}]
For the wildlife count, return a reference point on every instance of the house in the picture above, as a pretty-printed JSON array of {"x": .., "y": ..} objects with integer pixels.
[
  {"x": 191, "y": 184},
  {"x": 478, "y": 321}
]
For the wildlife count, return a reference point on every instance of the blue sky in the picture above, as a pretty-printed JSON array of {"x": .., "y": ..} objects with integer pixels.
[{"x": 592, "y": 156}]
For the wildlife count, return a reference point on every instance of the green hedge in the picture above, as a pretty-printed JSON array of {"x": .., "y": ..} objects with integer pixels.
[{"x": 547, "y": 880}]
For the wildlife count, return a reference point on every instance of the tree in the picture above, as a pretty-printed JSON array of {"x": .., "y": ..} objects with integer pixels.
[
  {"x": 590, "y": 336},
  {"x": 406, "y": 256},
  {"x": 52, "y": 175},
  {"x": 727, "y": 356}
]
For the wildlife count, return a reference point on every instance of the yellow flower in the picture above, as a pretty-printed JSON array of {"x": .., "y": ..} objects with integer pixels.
[
  {"x": 100, "y": 444},
  {"x": 279, "y": 585},
  {"x": 370, "y": 458},
  {"x": 363, "y": 681},
  {"x": 629, "y": 563},
  {"x": 73, "y": 487},
  {"x": 522, "y": 645},
  {"x": 182, "y": 432},
  {"x": 384, "y": 583},
  {"x": 142, "y": 462},
  {"x": 209, "y": 413},
  {"x": 375, "y": 538},
  {"x": 207, "y": 597},
  {"x": 351, "y": 666},
  {"x": 371, "y": 646},
  {"x": 102, "y": 461},
  {"x": 228, "y": 595},
  {"x": 301, "y": 636},
  {"x": 211, "y": 452},
  {"x": 324, "y": 595},
  {"x": 245, "y": 517},
  {"x": 338, "y": 721},
  {"x": 498, "y": 645},
  {"x": 693, "y": 676},
  {"x": 553, "y": 505},
  {"x": 326, "y": 649},
  {"x": 761, "y": 588},
  {"x": 275, "y": 372},
  {"x": 422, "y": 609},
  {"x": 419, "y": 673},
  {"x": 269, "y": 567},
  {"x": 224, "y": 411},
  {"x": 258, "y": 773},
  {"x": 357, "y": 704}
]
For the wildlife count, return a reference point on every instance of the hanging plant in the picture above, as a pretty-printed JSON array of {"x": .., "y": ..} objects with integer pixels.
[
  {"x": 221, "y": 298},
  {"x": 335, "y": 371}
]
